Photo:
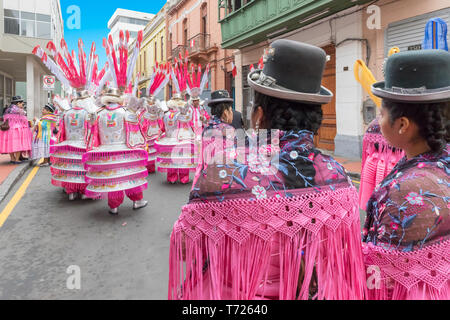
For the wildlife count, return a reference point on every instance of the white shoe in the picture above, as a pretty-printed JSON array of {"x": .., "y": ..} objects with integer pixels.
[
  {"x": 72, "y": 196},
  {"x": 84, "y": 197},
  {"x": 114, "y": 212},
  {"x": 139, "y": 204}
]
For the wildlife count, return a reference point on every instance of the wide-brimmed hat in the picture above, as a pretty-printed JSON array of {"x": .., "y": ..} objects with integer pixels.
[
  {"x": 112, "y": 95},
  {"x": 113, "y": 92},
  {"x": 220, "y": 96},
  {"x": 177, "y": 101},
  {"x": 292, "y": 71},
  {"x": 421, "y": 76},
  {"x": 82, "y": 94},
  {"x": 17, "y": 99},
  {"x": 50, "y": 107}
]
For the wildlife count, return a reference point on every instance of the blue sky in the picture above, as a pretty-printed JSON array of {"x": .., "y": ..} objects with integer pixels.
[{"x": 95, "y": 15}]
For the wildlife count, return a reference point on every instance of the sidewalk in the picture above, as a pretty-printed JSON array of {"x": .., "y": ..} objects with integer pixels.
[
  {"x": 352, "y": 166},
  {"x": 10, "y": 174}
]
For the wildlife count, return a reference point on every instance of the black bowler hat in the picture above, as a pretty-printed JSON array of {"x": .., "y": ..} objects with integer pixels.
[
  {"x": 17, "y": 99},
  {"x": 421, "y": 76},
  {"x": 292, "y": 71},
  {"x": 220, "y": 96},
  {"x": 50, "y": 108}
]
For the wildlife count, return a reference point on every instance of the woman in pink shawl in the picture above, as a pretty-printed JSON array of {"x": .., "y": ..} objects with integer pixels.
[
  {"x": 271, "y": 217},
  {"x": 17, "y": 138},
  {"x": 379, "y": 158},
  {"x": 407, "y": 232}
]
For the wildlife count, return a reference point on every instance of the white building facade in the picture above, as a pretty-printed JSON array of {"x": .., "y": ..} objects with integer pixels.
[
  {"x": 26, "y": 24},
  {"x": 133, "y": 21}
]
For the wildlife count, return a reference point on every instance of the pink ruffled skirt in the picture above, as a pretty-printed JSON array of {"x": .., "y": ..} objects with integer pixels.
[{"x": 18, "y": 137}]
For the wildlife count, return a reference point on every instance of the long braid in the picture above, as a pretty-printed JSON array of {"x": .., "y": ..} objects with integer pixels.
[{"x": 291, "y": 116}]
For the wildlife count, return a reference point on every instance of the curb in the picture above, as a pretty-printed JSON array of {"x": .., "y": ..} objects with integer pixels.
[
  {"x": 354, "y": 175},
  {"x": 12, "y": 179}
]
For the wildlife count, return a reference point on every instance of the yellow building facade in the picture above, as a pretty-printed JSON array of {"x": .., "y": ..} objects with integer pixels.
[{"x": 153, "y": 50}]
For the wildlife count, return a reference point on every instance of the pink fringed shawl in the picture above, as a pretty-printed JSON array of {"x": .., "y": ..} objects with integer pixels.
[
  {"x": 223, "y": 250},
  {"x": 418, "y": 275},
  {"x": 246, "y": 235}
]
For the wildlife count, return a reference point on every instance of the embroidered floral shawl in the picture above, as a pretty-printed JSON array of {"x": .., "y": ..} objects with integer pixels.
[
  {"x": 408, "y": 229},
  {"x": 247, "y": 234}
]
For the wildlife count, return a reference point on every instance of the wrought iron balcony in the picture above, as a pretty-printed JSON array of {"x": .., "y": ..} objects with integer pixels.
[
  {"x": 247, "y": 22},
  {"x": 177, "y": 50},
  {"x": 198, "y": 46},
  {"x": 199, "y": 43}
]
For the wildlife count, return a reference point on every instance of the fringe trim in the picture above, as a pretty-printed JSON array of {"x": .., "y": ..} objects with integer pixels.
[
  {"x": 60, "y": 172},
  {"x": 79, "y": 187},
  {"x": 418, "y": 275},
  {"x": 117, "y": 195},
  {"x": 94, "y": 181},
  {"x": 56, "y": 148},
  {"x": 177, "y": 161},
  {"x": 57, "y": 160},
  {"x": 166, "y": 170},
  {"x": 106, "y": 166},
  {"x": 179, "y": 148},
  {"x": 202, "y": 269},
  {"x": 257, "y": 254},
  {"x": 97, "y": 156}
]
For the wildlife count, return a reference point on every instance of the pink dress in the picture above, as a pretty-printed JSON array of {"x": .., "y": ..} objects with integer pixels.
[{"x": 18, "y": 137}]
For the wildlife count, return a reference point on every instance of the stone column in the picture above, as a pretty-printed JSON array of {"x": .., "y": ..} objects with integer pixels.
[
  {"x": 238, "y": 81},
  {"x": 30, "y": 87},
  {"x": 348, "y": 92}
]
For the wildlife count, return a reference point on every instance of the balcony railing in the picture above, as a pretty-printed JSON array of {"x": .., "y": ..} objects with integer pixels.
[
  {"x": 199, "y": 43},
  {"x": 177, "y": 50},
  {"x": 245, "y": 23}
]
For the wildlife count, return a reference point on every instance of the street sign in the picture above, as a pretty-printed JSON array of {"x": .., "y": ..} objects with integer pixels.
[{"x": 49, "y": 83}]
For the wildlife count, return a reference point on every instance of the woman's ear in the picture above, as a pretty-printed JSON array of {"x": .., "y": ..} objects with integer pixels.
[
  {"x": 259, "y": 116},
  {"x": 405, "y": 125}
]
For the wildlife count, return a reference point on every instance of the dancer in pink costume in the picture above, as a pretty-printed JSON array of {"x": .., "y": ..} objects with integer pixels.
[
  {"x": 200, "y": 116},
  {"x": 176, "y": 152},
  {"x": 17, "y": 138},
  {"x": 116, "y": 159},
  {"x": 151, "y": 117},
  {"x": 151, "y": 120},
  {"x": 275, "y": 218},
  {"x": 67, "y": 168},
  {"x": 74, "y": 128},
  {"x": 407, "y": 232}
]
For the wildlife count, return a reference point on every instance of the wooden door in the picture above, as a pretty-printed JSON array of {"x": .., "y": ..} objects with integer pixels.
[{"x": 327, "y": 133}]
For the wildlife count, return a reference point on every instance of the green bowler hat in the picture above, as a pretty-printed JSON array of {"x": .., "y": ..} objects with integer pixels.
[{"x": 416, "y": 77}]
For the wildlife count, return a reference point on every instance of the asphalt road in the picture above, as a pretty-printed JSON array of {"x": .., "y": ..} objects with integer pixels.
[{"x": 124, "y": 257}]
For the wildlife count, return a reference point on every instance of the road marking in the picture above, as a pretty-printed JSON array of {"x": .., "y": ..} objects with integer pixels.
[
  {"x": 357, "y": 182},
  {"x": 17, "y": 197}
]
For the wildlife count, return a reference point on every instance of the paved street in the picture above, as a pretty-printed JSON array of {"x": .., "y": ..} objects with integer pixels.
[{"x": 124, "y": 257}]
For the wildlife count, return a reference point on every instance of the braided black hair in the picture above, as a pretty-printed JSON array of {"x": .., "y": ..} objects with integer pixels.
[
  {"x": 431, "y": 118},
  {"x": 218, "y": 109},
  {"x": 288, "y": 116}
]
